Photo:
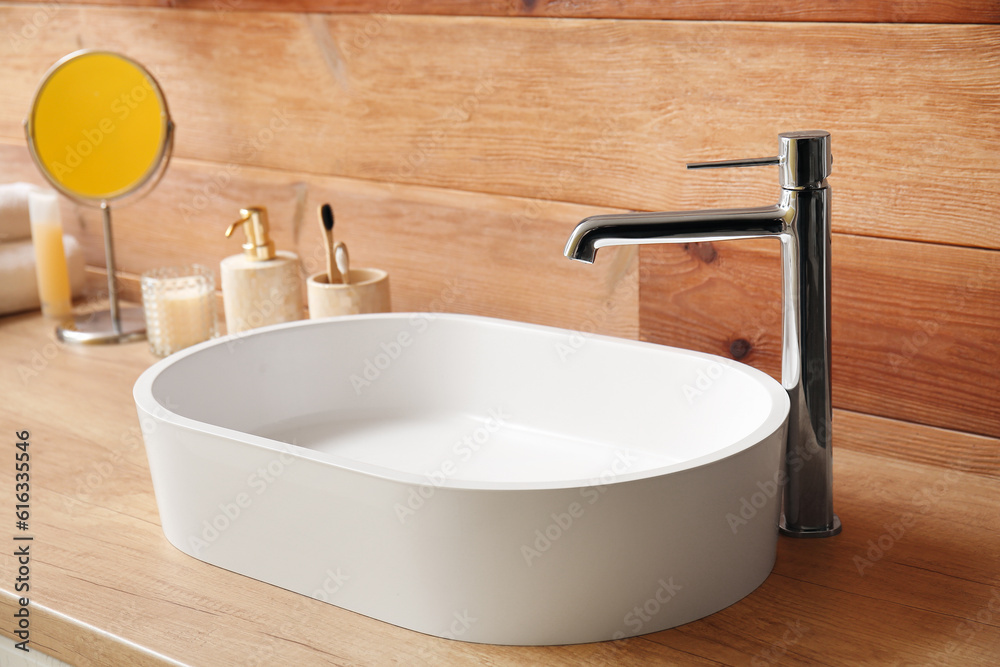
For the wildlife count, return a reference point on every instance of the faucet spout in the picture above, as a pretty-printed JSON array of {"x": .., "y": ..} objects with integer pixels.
[{"x": 599, "y": 231}]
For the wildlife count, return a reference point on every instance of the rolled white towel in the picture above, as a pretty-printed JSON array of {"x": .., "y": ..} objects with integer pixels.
[
  {"x": 15, "y": 223},
  {"x": 18, "y": 281}
]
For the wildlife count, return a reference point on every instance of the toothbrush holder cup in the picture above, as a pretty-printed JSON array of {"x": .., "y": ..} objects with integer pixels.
[{"x": 367, "y": 291}]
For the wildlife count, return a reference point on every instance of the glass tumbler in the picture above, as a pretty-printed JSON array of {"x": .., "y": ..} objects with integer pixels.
[{"x": 180, "y": 307}]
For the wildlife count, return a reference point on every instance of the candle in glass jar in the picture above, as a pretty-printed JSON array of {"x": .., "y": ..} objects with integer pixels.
[{"x": 180, "y": 307}]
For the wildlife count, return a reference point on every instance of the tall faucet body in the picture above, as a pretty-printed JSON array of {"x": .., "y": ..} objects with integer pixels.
[{"x": 801, "y": 222}]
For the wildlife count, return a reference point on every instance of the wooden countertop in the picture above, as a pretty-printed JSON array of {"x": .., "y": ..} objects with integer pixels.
[{"x": 913, "y": 579}]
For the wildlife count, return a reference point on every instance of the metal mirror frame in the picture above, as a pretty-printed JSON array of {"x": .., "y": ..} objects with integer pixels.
[{"x": 116, "y": 325}]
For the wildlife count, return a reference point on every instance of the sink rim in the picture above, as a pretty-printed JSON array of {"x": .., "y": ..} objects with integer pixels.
[{"x": 773, "y": 421}]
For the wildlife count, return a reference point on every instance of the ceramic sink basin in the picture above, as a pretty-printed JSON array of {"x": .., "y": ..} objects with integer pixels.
[{"x": 471, "y": 478}]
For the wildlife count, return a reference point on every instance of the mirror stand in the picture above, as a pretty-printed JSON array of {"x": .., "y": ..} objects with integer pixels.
[
  {"x": 78, "y": 97},
  {"x": 116, "y": 325}
]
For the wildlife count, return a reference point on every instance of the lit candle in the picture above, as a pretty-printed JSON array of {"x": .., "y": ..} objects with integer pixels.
[{"x": 50, "y": 257}]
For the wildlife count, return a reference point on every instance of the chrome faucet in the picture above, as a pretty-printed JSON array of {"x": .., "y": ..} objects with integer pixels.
[{"x": 801, "y": 221}]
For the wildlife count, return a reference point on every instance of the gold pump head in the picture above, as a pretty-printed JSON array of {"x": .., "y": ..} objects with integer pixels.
[{"x": 259, "y": 246}]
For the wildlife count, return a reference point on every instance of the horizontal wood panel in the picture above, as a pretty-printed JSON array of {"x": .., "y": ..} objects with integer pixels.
[
  {"x": 444, "y": 250},
  {"x": 913, "y": 330},
  {"x": 603, "y": 113},
  {"x": 901, "y": 11},
  {"x": 111, "y": 590},
  {"x": 926, "y": 445}
]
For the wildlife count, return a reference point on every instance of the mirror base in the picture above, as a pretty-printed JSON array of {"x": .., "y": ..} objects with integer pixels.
[{"x": 98, "y": 329}]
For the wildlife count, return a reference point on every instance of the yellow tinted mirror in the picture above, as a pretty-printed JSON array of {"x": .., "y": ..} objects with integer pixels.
[{"x": 99, "y": 128}]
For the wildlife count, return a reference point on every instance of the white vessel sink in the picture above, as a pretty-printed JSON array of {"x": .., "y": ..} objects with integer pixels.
[{"x": 471, "y": 478}]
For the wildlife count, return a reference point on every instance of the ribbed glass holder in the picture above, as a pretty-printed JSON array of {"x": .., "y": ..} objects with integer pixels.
[{"x": 180, "y": 307}]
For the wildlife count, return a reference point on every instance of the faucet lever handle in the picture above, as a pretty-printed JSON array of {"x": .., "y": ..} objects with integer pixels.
[
  {"x": 804, "y": 160},
  {"x": 748, "y": 162}
]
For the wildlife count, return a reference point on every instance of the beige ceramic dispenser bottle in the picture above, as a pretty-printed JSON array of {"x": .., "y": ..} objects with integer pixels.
[{"x": 259, "y": 286}]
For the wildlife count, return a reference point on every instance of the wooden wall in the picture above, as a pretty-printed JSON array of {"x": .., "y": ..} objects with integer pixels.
[{"x": 459, "y": 151}]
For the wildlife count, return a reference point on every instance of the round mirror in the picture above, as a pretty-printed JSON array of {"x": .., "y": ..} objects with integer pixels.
[{"x": 99, "y": 130}]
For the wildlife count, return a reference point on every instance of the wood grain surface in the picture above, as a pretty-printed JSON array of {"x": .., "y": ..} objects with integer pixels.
[
  {"x": 905, "y": 315},
  {"x": 913, "y": 324},
  {"x": 937, "y": 447},
  {"x": 445, "y": 250},
  {"x": 913, "y": 578},
  {"x": 894, "y": 11},
  {"x": 596, "y": 112}
]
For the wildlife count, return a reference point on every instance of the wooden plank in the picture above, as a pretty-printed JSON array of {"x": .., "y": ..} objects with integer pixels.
[
  {"x": 444, "y": 250},
  {"x": 78, "y": 643},
  {"x": 894, "y": 11},
  {"x": 941, "y": 448},
  {"x": 914, "y": 325},
  {"x": 603, "y": 113},
  {"x": 111, "y": 590}
]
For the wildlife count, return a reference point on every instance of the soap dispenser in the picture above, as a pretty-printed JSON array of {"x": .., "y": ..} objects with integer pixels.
[{"x": 259, "y": 286}]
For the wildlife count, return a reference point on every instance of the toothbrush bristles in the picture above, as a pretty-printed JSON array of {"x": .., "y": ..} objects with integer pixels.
[{"x": 326, "y": 212}]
